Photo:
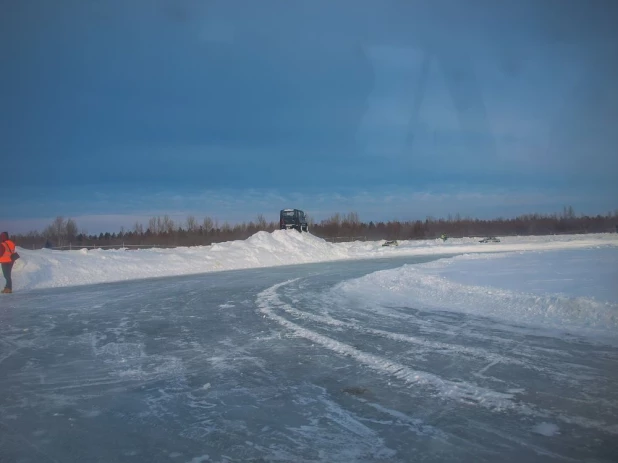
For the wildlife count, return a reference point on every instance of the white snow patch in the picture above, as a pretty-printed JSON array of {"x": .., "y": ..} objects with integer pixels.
[
  {"x": 517, "y": 295},
  {"x": 546, "y": 429}
]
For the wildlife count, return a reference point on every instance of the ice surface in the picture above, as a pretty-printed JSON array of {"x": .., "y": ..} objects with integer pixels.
[
  {"x": 331, "y": 362},
  {"x": 47, "y": 268}
]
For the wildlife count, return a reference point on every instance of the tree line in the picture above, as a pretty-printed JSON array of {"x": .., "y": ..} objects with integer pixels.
[{"x": 164, "y": 231}]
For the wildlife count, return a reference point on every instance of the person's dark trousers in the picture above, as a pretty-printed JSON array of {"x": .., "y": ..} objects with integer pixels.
[{"x": 6, "y": 271}]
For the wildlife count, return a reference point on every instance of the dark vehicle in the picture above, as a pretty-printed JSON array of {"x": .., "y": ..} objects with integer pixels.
[
  {"x": 490, "y": 239},
  {"x": 293, "y": 218}
]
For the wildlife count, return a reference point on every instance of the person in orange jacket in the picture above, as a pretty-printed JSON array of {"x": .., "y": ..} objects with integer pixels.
[{"x": 7, "y": 249}]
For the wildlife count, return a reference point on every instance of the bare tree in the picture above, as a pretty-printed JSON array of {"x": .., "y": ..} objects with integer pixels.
[
  {"x": 334, "y": 219},
  {"x": 564, "y": 221},
  {"x": 261, "y": 222},
  {"x": 57, "y": 231},
  {"x": 192, "y": 226},
  {"x": 208, "y": 225},
  {"x": 71, "y": 230},
  {"x": 168, "y": 225},
  {"x": 352, "y": 219},
  {"x": 138, "y": 228},
  {"x": 153, "y": 225},
  {"x": 59, "y": 227}
]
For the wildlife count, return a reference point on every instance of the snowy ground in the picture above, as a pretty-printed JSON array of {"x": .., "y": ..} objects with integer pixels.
[
  {"x": 480, "y": 357},
  {"x": 46, "y": 268},
  {"x": 572, "y": 290}
]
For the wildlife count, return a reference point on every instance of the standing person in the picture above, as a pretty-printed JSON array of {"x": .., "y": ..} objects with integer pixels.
[{"x": 7, "y": 249}]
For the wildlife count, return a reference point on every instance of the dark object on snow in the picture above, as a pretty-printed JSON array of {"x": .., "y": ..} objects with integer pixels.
[
  {"x": 390, "y": 243},
  {"x": 293, "y": 218},
  {"x": 443, "y": 237},
  {"x": 48, "y": 244},
  {"x": 354, "y": 390},
  {"x": 490, "y": 239}
]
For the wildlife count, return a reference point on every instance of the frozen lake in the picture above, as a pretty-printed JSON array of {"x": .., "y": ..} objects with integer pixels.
[{"x": 299, "y": 364}]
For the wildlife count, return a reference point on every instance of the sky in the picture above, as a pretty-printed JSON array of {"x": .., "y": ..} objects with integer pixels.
[{"x": 113, "y": 112}]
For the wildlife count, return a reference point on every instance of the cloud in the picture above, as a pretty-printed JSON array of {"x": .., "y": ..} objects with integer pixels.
[{"x": 323, "y": 101}]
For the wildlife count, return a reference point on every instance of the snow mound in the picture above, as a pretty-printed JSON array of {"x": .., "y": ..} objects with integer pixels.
[
  {"x": 48, "y": 268},
  {"x": 433, "y": 286}
]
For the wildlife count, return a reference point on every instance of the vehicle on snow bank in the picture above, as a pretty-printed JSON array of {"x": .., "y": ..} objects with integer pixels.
[
  {"x": 490, "y": 239},
  {"x": 391, "y": 243},
  {"x": 293, "y": 219}
]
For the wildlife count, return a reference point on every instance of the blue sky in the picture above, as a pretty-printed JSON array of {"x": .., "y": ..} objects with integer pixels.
[{"x": 116, "y": 111}]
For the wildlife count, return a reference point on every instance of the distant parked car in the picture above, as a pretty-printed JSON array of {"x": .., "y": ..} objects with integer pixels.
[
  {"x": 390, "y": 243},
  {"x": 490, "y": 239},
  {"x": 293, "y": 219}
]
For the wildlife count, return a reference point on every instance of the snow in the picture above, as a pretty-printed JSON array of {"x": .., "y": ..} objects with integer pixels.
[
  {"x": 48, "y": 268},
  {"x": 269, "y": 299},
  {"x": 546, "y": 429},
  {"x": 570, "y": 290},
  {"x": 504, "y": 352}
]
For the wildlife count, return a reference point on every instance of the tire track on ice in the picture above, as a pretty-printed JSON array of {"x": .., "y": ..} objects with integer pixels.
[
  {"x": 268, "y": 301},
  {"x": 443, "y": 348}
]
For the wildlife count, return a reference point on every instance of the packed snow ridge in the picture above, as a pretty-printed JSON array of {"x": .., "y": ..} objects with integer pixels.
[
  {"x": 49, "y": 268},
  {"x": 570, "y": 290}
]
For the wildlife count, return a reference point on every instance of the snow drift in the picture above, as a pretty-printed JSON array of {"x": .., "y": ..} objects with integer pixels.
[
  {"x": 571, "y": 291},
  {"x": 48, "y": 268}
]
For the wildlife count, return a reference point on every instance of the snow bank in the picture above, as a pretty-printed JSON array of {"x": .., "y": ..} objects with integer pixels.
[
  {"x": 47, "y": 268},
  {"x": 571, "y": 290}
]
